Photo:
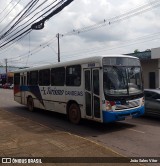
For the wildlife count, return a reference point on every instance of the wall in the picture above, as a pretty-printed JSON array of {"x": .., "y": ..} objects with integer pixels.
[
  {"x": 155, "y": 53},
  {"x": 147, "y": 67}
]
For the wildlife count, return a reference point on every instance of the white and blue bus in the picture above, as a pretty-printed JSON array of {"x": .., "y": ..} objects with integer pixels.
[{"x": 101, "y": 88}]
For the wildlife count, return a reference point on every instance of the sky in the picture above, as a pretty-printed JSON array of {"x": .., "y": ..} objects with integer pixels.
[{"x": 117, "y": 33}]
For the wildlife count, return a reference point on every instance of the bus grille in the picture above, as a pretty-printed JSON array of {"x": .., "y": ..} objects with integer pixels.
[{"x": 130, "y": 104}]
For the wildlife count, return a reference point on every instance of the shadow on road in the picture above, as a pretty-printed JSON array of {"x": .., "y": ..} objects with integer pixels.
[
  {"x": 60, "y": 122},
  {"x": 151, "y": 120}
]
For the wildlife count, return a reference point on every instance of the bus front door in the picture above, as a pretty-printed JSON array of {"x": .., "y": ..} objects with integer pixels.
[{"x": 92, "y": 94}]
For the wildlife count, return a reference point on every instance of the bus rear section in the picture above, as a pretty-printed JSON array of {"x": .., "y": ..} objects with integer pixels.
[{"x": 123, "y": 89}]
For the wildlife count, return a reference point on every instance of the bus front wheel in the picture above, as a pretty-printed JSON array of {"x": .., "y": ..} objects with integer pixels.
[
  {"x": 74, "y": 114},
  {"x": 30, "y": 104}
]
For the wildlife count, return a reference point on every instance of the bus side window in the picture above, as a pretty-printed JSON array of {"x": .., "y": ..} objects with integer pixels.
[
  {"x": 73, "y": 75},
  {"x": 44, "y": 77},
  {"x": 17, "y": 79},
  {"x": 33, "y": 80},
  {"x": 58, "y": 76},
  {"x": 96, "y": 82}
]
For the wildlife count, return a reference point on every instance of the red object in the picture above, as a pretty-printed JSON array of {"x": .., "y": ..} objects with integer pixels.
[
  {"x": 112, "y": 103},
  {"x": 6, "y": 85}
]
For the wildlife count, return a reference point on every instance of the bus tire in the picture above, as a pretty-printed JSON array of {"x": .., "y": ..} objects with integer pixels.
[
  {"x": 74, "y": 114},
  {"x": 30, "y": 104}
]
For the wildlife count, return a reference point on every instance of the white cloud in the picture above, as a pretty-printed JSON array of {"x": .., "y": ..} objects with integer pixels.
[{"x": 83, "y": 13}]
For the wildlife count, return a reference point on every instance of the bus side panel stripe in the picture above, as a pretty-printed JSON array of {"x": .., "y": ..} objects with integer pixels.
[
  {"x": 35, "y": 91},
  {"x": 110, "y": 116}
]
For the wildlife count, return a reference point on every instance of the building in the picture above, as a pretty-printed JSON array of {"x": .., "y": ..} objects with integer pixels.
[
  {"x": 150, "y": 61},
  {"x": 6, "y": 77}
]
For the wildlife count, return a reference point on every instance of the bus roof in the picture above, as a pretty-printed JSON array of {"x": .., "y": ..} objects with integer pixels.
[{"x": 73, "y": 62}]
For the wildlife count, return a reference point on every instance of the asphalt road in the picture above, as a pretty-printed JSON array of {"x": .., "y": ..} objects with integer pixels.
[{"x": 133, "y": 138}]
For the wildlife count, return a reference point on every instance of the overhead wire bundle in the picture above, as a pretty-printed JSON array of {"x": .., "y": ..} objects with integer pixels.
[
  {"x": 131, "y": 13},
  {"x": 27, "y": 20},
  {"x": 34, "y": 17}
]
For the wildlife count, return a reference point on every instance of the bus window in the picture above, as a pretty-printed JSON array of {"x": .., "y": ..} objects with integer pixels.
[
  {"x": 96, "y": 82},
  {"x": 87, "y": 80},
  {"x": 17, "y": 79},
  {"x": 58, "y": 76},
  {"x": 73, "y": 75},
  {"x": 44, "y": 77},
  {"x": 22, "y": 81},
  {"x": 33, "y": 80}
]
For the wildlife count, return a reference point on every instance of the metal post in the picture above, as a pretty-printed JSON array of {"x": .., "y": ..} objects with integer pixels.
[
  {"x": 6, "y": 71},
  {"x": 58, "y": 48}
]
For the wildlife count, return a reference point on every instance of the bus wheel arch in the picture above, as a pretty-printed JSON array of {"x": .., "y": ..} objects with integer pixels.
[
  {"x": 30, "y": 103},
  {"x": 73, "y": 112}
]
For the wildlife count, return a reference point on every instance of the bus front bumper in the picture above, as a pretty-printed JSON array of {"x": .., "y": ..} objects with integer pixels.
[{"x": 112, "y": 116}]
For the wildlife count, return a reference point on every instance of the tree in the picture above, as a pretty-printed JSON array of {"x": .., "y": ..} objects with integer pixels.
[{"x": 136, "y": 51}]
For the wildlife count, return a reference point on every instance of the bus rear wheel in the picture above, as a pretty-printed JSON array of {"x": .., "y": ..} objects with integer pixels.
[
  {"x": 74, "y": 114},
  {"x": 30, "y": 104}
]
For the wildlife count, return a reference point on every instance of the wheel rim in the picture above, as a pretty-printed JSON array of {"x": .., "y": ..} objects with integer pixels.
[
  {"x": 30, "y": 104},
  {"x": 74, "y": 114}
]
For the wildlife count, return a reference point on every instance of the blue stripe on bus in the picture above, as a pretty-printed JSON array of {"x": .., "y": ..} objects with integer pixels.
[
  {"x": 24, "y": 88},
  {"x": 110, "y": 116},
  {"x": 34, "y": 90}
]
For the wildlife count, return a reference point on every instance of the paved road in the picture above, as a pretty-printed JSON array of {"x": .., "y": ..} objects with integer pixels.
[{"x": 133, "y": 138}]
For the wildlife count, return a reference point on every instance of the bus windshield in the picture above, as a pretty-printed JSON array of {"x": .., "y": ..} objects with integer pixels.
[{"x": 122, "y": 80}]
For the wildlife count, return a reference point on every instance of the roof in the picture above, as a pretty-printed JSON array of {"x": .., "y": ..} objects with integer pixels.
[
  {"x": 145, "y": 55},
  {"x": 74, "y": 62}
]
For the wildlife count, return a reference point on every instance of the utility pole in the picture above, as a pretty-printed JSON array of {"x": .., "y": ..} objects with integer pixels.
[
  {"x": 58, "y": 47},
  {"x": 6, "y": 70}
]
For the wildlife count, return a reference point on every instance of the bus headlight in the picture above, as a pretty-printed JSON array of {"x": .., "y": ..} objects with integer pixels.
[
  {"x": 142, "y": 102},
  {"x": 110, "y": 105}
]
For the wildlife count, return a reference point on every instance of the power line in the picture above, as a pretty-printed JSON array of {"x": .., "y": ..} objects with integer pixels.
[
  {"x": 9, "y": 12},
  {"x": 142, "y": 6},
  {"x": 38, "y": 25},
  {"x": 38, "y": 48},
  {"x": 76, "y": 53},
  {"x": 27, "y": 15},
  {"x": 92, "y": 52},
  {"x": 57, "y": 8},
  {"x": 131, "y": 13},
  {"x": 21, "y": 16},
  {"x": 113, "y": 20},
  {"x": 124, "y": 43},
  {"x": 6, "y": 7},
  {"x": 30, "y": 23}
]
